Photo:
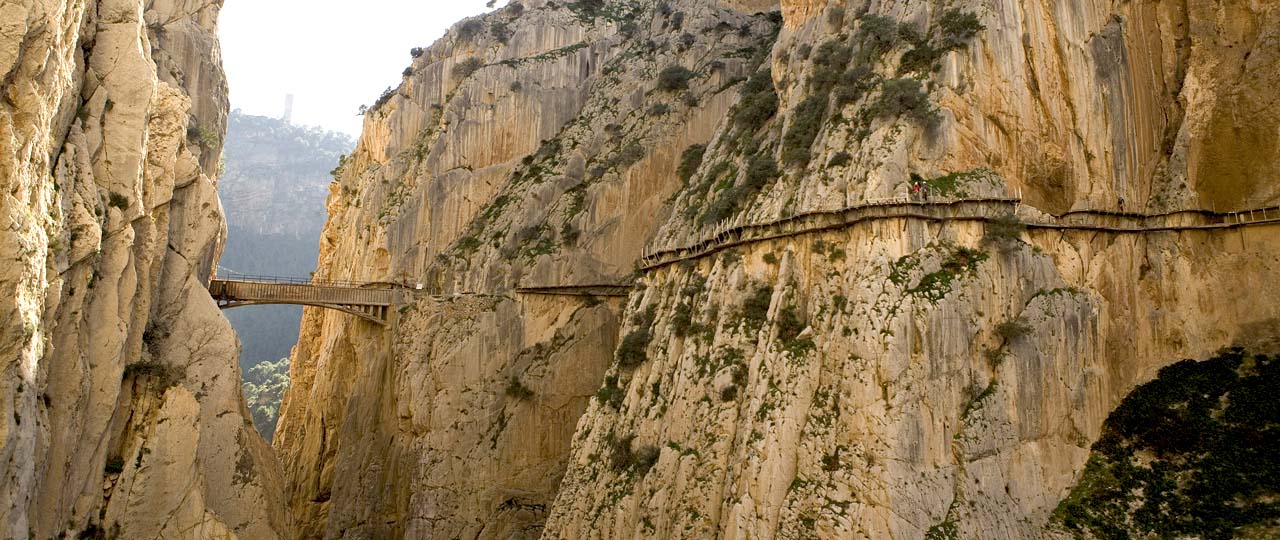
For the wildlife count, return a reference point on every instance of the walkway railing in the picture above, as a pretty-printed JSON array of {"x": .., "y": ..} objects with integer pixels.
[{"x": 368, "y": 301}]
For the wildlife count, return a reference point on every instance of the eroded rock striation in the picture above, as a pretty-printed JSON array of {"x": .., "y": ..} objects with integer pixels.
[
  {"x": 891, "y": 265},
  {"x": 122, "y": 411}
]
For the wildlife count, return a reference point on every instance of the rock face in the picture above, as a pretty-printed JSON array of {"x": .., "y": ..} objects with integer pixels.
[
  {"x": 123, "y": 416},
  {"x": 923, "y": 378},
  {"x": 530, "y": 147},
  {"x": 926, "y": 374}
]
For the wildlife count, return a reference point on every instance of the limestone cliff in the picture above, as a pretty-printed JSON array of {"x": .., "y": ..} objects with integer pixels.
[
  {"x": 892, "y": 265},
  {"x": 122, "y": 411},
  {"x": 529, "y": 147},
  {"x": 939, "y": 372}
]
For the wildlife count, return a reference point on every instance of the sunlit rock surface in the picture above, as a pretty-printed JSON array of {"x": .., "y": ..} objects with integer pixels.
[
  {"x": 895, "y": 378},
  {"x": 123, "y": 416}
]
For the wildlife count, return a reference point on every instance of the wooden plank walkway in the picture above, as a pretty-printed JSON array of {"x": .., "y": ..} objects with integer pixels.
[
  {"x": 371, "y": 303},
  {"x": 976, "y": 209}
]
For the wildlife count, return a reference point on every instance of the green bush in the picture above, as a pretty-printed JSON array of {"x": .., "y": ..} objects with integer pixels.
[
  {"x": 610, "y": 393},
  {"x": 517, "y": 390},
  {"x": 622, "y": 455},
  {"x": 690, "y": 160},
  {"x": 878, "y": 35},
  {"x": 923, "y": 58},
  {"x": 855, "y": 83},
  {"x": 163, "y": 374},
  {"x": 903, "y": 97},
  {"x": 659, "y": 109},
  {"x": 841, "y": 159},
  {"x": 729, "y": 393},
  {"x": 755, "y": 310},
  {"x": 804, "y": 129},
  {"x": 465, "y": 68},
  {"x": 829, "y": 61},
  {"x": 674, "y": 78},
  {"x": 629, "y": 155},
  {"x": 761, "y": 170},
  {"x": 500, "y": 31},
  {"x": 470, "y": 29},
  {"x": 633, "y": 350},
  {"x": 758, "y": 104},
  {"x": 682, "y": 320},
  {"x": 1014, "y": 329},
  {"x": 1005, "y": 229},
  {"x": 1191, "y": 454},
  {"x": 958, "y": 27},
  {"x": 790, "y": 325},
  {"x": 115, "y": 465}
]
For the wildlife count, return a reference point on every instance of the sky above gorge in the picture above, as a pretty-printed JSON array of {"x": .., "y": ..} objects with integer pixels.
[{"x": 333, "y": 56}]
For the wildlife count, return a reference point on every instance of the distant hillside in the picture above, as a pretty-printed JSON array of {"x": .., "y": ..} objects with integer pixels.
[{"x": 273, "y": 187}]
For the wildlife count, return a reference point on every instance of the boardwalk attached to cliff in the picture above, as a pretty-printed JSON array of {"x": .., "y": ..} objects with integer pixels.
[
  {"x": 369, "y": 301},
  {"x": 975, "y": 209}
]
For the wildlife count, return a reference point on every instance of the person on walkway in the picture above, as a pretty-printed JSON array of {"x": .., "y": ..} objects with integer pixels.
[{"x": 1121, "y": 205}]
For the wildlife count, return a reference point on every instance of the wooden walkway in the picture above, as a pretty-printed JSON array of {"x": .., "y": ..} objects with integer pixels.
[
  {"x": 371, "y": 302},
  {"x": 976, "y": 209},
  {"x": 578, "y": 290}
]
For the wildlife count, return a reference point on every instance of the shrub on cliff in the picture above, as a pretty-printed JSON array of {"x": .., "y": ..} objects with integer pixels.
[
  {"x": 465, "y": 68},
  {"x": 804, "y": 129},
  {"x": 517, "y": 390},
  {"x": 1191, "y": 454},
  {"x": 903, "y": 97},
  {"x": 690, "y": 160},
  {"x": 633, "y": 349},
  {"x": 622, "y": 455},
  {"x": 1014, "y": 329},
  {"x": 470, "y": 29},
  {"x": 673, "y": 78}
]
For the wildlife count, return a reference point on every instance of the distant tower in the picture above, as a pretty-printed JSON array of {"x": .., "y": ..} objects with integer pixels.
[{"x": 288, "y": 109}]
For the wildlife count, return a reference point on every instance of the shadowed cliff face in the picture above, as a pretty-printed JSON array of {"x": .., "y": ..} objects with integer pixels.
[
  {"x": 123, "y": 415},
  {"x": 897, "y": 376}
]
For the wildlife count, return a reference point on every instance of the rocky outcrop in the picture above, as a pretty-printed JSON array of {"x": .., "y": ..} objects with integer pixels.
[{"x": 121, "y": 372}]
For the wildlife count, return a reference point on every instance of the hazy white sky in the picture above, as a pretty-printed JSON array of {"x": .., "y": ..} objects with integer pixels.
[{"x": 333, "y": 56}]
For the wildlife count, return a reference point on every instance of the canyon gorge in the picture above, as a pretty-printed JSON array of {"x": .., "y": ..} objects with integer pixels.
[{"x": 735, "y": 269}]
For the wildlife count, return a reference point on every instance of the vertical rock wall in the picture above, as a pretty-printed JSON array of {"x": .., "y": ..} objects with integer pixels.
[
  {"x": 123, "y": 416},
  {"x": 923, "y": 378},
  {"x": 530, "y": 147}
]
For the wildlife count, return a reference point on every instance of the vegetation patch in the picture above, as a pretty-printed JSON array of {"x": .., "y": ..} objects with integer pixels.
[
  {"x": 1194, "y": 453},
  {"x": 690, "y": 160},
  {"x": 164, "y": 374},
  {"x": 625, "y": 456},
  {"x": 465, "y": 68},
  {"x": 1005, "y": 230},
  {"x": 804, "y": 128},
  {"x": 755, "y": 310},
  {"x": 790, "y": 326},
  {"x": 610, "y": 393},
  {"x": 633, "y": 350},
  {"x": 673, "y": 78},
  {"x": 959, "y": 262},
  {"x": 517, "y": 390}
]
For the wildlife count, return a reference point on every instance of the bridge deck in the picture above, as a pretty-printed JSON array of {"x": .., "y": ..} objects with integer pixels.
[{"x": 369, "y": 303}]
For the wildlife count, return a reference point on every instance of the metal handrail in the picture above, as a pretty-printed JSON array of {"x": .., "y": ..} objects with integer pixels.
[{"x": 289, "y": 280}]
